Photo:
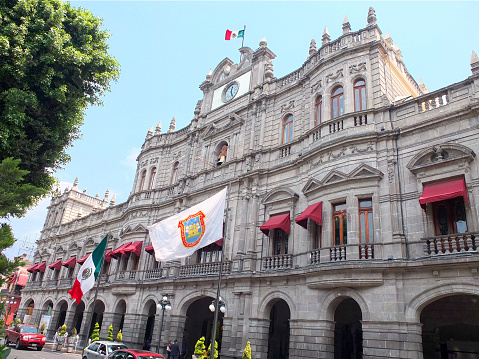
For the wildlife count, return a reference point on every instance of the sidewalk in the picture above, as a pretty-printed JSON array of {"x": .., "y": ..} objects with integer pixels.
[{"x": 50, "y": 347}]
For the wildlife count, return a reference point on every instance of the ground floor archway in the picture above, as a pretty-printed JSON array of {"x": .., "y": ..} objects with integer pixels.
[
  {"x": 279, "y": 331},
  {"x": 199, "y": 323},
  {"x": 451, "y": 327},
  {"x": 62, "y": 308},
  {"x": 97, "y": 316},
  {"x": 348, "y": 334},
  {"x": 78, "y": 317},
  {"x": 150, "y": 311}
]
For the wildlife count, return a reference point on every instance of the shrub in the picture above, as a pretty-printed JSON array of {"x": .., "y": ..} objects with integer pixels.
[
  {"x": 110, "y": 333},
  {"x": 200, "y": 347},
  {"x": 96, "y": 333},
  {"x": 119, "y": 336},
  {"x": 247, "y": 352}
]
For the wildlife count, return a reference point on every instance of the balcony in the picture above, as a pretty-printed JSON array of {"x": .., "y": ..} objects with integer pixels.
[
  {"x": 203, "y": 269},
  {"x": 284, "y": 261},
  {"x": 450, "y": 244}
]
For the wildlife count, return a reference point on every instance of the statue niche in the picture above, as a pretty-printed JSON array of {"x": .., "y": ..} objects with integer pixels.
[{"x": 221, "y": 153}]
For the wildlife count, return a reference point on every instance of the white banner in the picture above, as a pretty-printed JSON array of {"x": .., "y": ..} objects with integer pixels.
[{"x": 181, "y": 235}]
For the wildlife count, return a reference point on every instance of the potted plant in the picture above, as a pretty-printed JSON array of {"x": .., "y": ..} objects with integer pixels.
[
  {"x": 247, "y": 352},
  {"x": 61, "y": 337},
  {"x": 95, "y": 335},
  {"x": 119, "y": 336},
  {"x": 72, "y": 340},
  {"x": 200, "y": 349},
  {"x": 110, "y": 333},
  {"x": 42, "y": 328}
]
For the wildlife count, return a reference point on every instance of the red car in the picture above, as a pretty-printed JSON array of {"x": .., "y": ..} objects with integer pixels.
[
  {"x": 24, "y": 335},
  {"x": 133, "y": 354}
]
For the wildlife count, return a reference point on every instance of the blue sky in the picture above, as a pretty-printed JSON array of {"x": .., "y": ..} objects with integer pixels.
[{"x": 166, "y": 48}]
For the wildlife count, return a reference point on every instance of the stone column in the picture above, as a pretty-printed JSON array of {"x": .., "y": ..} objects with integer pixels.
[
  {"x": 311, "y": 339},
  {"x": 129, "y": 335},
  {"x": 108, "y": 319},
  {"x": 54, "y": 319},
  {"x": 69, "y": 319},
  {"x": 165, "y": 335},
  {"x": 258, "y": 337},
  {"x": 138, "y": 328},
  {"x": 36, "y": 315},
  {"x": 392, "y": 340},
  {"x": 85, "y": 327}
]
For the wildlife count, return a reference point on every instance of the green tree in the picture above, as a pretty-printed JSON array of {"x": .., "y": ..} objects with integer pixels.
[
  {"x": 247, "y": 352},
  {"x": 95, "y": 335},
  {"x": 119, "y": 336},
  {"x": 110, "y": 333},
  {"x": 200, "y": 347},
  {"x": 54, "y": 63}
]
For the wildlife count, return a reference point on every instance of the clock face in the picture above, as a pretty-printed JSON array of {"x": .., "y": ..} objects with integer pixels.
[{"x": 231, "y": 91}]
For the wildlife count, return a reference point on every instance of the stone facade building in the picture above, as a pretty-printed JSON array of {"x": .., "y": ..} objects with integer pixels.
[{"x": 353, "y": 214}]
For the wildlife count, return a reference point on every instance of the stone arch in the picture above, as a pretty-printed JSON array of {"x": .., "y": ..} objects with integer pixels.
[
  {"x": 146, "y": 300},
  {"x": 119, "y": 314},
  {"x": 61, "y": 308},
  {"x": 270, "y": 300},
  {"x": 279, "y": 194},
  {"x": 421, "y": 300},
  {"x": 336, "y": 296},
  {"x": 218, "y": 72},
  {"x": 187, "y": 300},
  {"x": 443, "y": 153},
  {"x": 220, "y": 155}
]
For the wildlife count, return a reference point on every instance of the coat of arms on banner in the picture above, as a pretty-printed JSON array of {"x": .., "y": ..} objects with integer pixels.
[{"x": 192, "y": 229}]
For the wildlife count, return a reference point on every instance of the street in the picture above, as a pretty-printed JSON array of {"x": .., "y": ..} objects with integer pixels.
[{"x": 46, "y": 353}]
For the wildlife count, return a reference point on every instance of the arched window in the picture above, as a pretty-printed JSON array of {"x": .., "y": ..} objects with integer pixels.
[
  {"x": 151, "y": 183},
  {"x": 359, "y": 95},
  {"x": 318, "y": 106},
  {"x": 142, "y": 181},
  {"x": 337, "y": 102},
  {"x": 288, "y": 129},
  {"x": 174, "y": 175}
]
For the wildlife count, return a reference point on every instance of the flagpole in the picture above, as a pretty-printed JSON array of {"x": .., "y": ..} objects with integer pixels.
[
  {"x": 242, "y": 43},
  {"x": 217, "y": 304},
  {"x": 96, "y": 292}
]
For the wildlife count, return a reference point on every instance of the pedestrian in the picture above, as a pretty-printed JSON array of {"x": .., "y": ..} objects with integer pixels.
[
  {"x": 175, "y": 350},
  {"x": 168, "y": 348},
  {"x": 183, "y": 348},
  {"x": 148, "y": 343}
]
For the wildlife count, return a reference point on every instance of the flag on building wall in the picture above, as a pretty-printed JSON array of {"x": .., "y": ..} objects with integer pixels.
[
  {"x": 184, "y": 233},
  {"x": 233, "y": 34},
  {"x": 88, "y": 272}
]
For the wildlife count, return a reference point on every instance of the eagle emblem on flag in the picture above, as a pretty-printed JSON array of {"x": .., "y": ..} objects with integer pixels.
[{"x": 192, "y": 229}]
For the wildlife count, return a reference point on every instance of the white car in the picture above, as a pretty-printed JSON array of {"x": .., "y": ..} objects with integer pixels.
[{"x": 101, "y": 348}]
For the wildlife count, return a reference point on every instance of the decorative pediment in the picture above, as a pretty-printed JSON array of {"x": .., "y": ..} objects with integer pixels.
[
  {"x": 73, "y": 247},
  {"x": 224, "y": 124},
  {"x": 362, "y": 172},
  {"x": 60, "y": 249},
  {"x": 44, "y": 252},
  {"x": 440, "y": 155},
  {"x": 222, "y": 71},
  {"x": 140, "y": 228},
  {"x": 280, "y": 194},
  {"x": 90, "y": 242}
]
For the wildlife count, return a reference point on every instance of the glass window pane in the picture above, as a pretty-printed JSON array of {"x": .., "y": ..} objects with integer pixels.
[
  {"x": 337, "y": 238},
  {"x": 367, "y": 203},
  {"x": 357, "y": 104},
  {"x": 341, "y": 105},
  {"x": 363, "y": 98},
  {"x": 335, "y": 107},
  {"x": 345, "y": 230},
  {"x": 362, "y": 223},
  {"x": 285, "y": 244},
  {"x": 370, "y": 227},
  {"x": 442, "y": 220},
  {"x": 340, "y": 207},
  {"x": 460, "y": 215}
]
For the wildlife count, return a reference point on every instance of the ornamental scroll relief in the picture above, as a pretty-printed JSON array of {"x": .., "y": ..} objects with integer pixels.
[
  {"x": 344, "y": 151},
  {"x": 287, "y": 106},
  {"x": 331, "y": 77},
  {"x": 357, "y": 68},
  {"x": 316, "y": 85}
]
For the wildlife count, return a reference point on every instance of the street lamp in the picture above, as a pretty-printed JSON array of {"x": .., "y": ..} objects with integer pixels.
[
  {"x": 222, "y": 306},
  {"x": 163, "y": 304}
]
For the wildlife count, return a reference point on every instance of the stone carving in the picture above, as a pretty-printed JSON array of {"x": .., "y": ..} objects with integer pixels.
[
  {"x": 312, "y": 47},
  {"x": 357, "y": 68},
  {"x": 391, "y": 170},
  {"x": 331, "y": 155},
  {"x": 154, "y": 160},
  {"x": 287, "y": 106},
  {"x": 144, "y": 163},
  {"x": 269, "y": 71},
  {"x": 354, "y": 148},
  {"x": 331, "y": 77},
  {"x": 316, "y": 85}
]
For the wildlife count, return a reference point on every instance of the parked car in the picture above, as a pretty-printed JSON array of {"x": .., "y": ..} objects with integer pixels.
[
  {"x": 24, "y": 335},
  {"x": 101, "y": 348},
  {"x": 134, "y": 354}
]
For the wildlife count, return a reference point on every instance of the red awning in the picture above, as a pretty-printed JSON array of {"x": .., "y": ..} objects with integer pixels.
[
  {"x": 436, "y": 192},
  {"x": 13, "y": 277},
  {"x": 70, "y": 262},
  {"x": 32, "y": 268},
  {"x": 280, "y": 221},
  {"x": 41, "y": 267},
  {"x": 82, "y": 260},
  {"x": 108, "y": 255},
  {"x": 56, "y": 265},
  {"x": 22, "y": 280},
  {"x": 118, "y": 252},
  {"x": 150, "y": 249},
  {"x": 313, "y": 212},
  {"x": 134, "y": 247}
]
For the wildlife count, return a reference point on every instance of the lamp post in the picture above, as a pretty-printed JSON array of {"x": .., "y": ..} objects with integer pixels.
[
  {"x": 163, "y": 304},
  {"x": 214, "y": 308}
]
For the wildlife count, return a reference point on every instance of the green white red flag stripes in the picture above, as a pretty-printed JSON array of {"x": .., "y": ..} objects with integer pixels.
[
  {"x": 233, "y": 34},
  {"x": 88, "y": 272}
]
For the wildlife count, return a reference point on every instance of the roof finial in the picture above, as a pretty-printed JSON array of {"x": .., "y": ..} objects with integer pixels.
[
  {"x": 150, "y": 133},
  {"x": 113, "y": 200},
  {"x": 312, "y": 47},
  {"x": 388, "y": 38},
  {"x": 158, "y": 128},
  {"x": 422, "y": 87},
  {"x": 371, "y": 17},
  {"x": 208, "y": 75},
  {"x": 263, "y": 42},
  {"x": 107, "y": 194},
  {"x": 75, "y": 183},
  {"x": 325, "y": 39},
  {"x": 346, "y": 25},
  {"x": 474, "y": 63},
  {"x": 172, "y": 125}
]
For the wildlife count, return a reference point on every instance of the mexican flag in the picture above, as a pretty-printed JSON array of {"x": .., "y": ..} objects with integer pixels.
[
  {"x": 233, "y": 34},
  {"x": 88, "y": 272}
]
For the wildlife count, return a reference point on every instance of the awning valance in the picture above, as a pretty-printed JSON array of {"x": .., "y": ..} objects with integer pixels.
[
  {"x": 22, "y": 280},
  {"x": 436, "y": 192},
  {"x": 57, "y": 265},
  {"x": 150, "y": 249},
  {"x": 134, "y": 247},
  {"x": 41, "y": 267},
  {"x": 281, "y": 221},
  {"x": 32, "y": 268},
  {"x": 70, "y": 262},
  {"x": 118, "y": 251},
  {"x": 108, "y": 255},
  {"x": 82, "y": 260},
  {"x": 313, "y": 212}
]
